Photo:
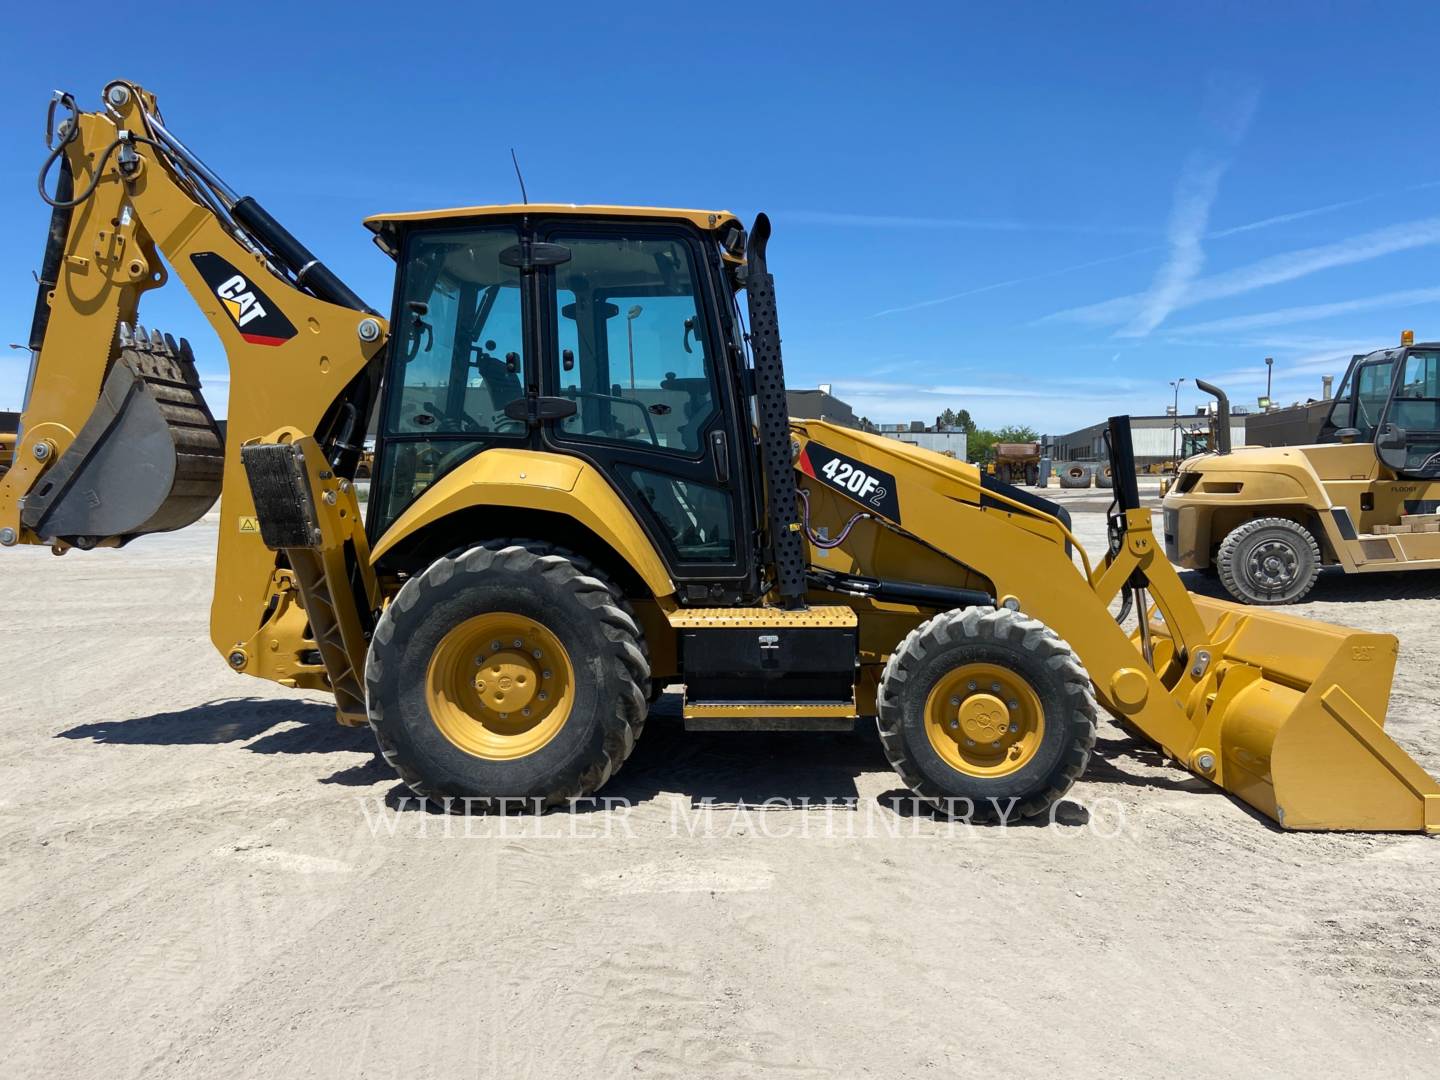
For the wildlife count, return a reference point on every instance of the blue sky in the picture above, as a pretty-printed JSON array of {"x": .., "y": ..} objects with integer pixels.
[{"x": 1040, "y": 212}]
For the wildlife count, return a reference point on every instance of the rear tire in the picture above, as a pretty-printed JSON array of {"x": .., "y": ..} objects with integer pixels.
[
  {"x": 438, "y": 721},
  {"x": 986, "y": 714},
  {"x": 1268, "y": 561}
]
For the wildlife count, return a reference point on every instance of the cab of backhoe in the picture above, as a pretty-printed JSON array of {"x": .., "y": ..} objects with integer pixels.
[{"x": 606, "y": 335}]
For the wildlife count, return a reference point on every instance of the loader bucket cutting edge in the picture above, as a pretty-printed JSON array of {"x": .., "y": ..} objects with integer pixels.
[{"x": 1289, "y": 717}]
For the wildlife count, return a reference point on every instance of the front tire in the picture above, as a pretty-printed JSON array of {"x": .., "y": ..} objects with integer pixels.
[
  {"x": 986, "y": 714},
  {"x": 506, "y": 678},
  {"x": 1268, "y": 561}
]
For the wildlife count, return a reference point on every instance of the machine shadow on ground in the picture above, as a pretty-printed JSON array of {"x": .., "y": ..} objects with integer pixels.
[
  {"x": 720, "y": 768},
  {"x": 1334, "y": 585}
]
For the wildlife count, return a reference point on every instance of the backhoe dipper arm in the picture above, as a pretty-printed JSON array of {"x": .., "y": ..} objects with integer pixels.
[{"x": 302, "y": 352}]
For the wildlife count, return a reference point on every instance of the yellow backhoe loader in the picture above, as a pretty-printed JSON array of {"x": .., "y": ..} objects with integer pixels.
[
  {"x": 586, "y": 486},
  {"x": 1364, "y": 498}
]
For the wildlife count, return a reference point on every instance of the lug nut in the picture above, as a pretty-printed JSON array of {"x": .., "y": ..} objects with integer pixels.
[
  {"x": 494, "y": 646},
  {"x": 972, "y": 684},
  {"x": 1013, "y": 705},
  {"x": 537, "y": 654},
  {"x": 1014, "y": 727},
  {"x": 994, "y": 687},
  {"x": 545, "y": 674},
  {"x": 544, "y": 696},
  {"x": 954, "y": 701},
  {"x": 518, "y": 643},
  {"x": 525, "y": 711}
]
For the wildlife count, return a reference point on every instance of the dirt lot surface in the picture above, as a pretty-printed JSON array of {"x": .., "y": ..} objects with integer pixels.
[{"x": 204, "y": 876}]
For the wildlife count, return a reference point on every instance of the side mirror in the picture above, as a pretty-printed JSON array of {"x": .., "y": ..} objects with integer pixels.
[{"x": 1391, "y": 446}]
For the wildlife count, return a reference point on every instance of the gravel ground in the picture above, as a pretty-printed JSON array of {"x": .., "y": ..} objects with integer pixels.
[{"x": 204, "y": 875}]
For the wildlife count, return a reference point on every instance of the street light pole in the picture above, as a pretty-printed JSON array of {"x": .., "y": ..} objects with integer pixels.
[
  {"x": 1269, "y": 370},
  {"x": 1175, "y": 414},
  {"x": 630, "y": 317}
]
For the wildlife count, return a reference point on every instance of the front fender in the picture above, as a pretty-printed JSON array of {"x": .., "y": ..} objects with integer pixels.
[{"x": 531, "y": 480}]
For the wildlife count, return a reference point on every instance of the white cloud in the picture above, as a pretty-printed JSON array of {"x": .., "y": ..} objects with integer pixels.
[
  {"x": 1013, "y": 281},
  {"x": 1314, "y": 312},
  {"x": 1194, "y": 196},
  {"x": 1273, "y": 270},
  {"x": 901, "y": 221}
]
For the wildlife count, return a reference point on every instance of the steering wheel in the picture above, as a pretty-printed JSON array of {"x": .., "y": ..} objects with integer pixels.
[
  {"x": 450, "y": 424},
  {"x": 574, "y": 392}
]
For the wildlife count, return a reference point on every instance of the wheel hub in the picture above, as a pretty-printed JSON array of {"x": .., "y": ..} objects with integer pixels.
[
  {"x": 1273, "y": 564},
  {"x": 499, "y": 686},
  {"x": 984, "y": 719},
  {"x": 508, "y": 681}
]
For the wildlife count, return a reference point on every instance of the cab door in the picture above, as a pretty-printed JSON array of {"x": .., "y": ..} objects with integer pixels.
[
  {"x": 459, "y": 357},
  {"x": 632, "y": 336}
]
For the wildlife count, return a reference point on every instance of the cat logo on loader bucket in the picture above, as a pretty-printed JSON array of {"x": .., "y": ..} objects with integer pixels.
[{"x": 559, "y": 525}]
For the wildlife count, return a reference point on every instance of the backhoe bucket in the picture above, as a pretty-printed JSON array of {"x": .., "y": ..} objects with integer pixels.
[
  {"x": 1289, "y": 715},
  {"x": 149, "y": 459}
]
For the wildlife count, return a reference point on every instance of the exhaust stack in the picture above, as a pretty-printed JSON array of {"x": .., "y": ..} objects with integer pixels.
[{"x": 1221, "y": 439}]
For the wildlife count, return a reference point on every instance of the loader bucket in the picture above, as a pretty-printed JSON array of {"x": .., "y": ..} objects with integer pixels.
[
  {"x": 1289, "y": 714},
  {"x": 149, "y": 459}
]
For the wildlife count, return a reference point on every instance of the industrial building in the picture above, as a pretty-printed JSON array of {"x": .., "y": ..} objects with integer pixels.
[
  {"x": 1294, "y": 425},
  {"x": 820, "y": 404},
  {"x": 1155, "y": 438},
  {"x": 949, "y": 441}
]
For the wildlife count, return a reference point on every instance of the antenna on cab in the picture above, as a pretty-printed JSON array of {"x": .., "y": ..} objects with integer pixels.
[{"x": 516, "y": 162}]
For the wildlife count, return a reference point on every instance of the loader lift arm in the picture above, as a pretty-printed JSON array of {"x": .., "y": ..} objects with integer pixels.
[{"x": 303, "y": 352}]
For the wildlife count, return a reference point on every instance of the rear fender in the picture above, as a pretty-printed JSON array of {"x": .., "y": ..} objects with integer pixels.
[{"x": 528, "y": 480}]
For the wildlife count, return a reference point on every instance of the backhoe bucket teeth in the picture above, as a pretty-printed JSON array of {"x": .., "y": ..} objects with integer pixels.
[
  {"x": 1289, "y": 715},
  {"x": 149, "y": 459}
]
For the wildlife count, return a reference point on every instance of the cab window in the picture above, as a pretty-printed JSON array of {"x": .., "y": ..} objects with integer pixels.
[
  {"x": 459, "y": 339},
  {"x": 455, "y": 362},
  {"x": 1416, "y": 412},
  {"x": 1372, "y": 390},
  {"x": 633, "y": 343}
]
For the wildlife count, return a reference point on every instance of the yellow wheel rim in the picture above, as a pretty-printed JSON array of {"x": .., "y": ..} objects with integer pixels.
[
  {"x": 984, "y": 720},
  {"x": 500, "y": 686}
]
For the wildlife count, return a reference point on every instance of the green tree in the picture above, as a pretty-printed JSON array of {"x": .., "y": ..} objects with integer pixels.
[
  {"x": 978, "y": 442},
  {"x": 1017, "y": 433},
  {"x": 956, "y": 418}
]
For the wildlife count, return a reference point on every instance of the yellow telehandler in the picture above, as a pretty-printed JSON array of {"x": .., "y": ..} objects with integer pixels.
[{"x": 586, "y": 486}]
